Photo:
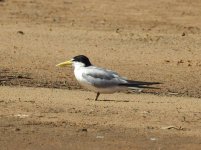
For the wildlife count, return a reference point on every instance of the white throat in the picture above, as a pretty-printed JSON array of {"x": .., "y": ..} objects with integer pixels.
[{"x": 77, "y": 65}]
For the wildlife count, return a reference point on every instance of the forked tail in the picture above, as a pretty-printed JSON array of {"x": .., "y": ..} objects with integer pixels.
[{"x": 139, "y": 84}]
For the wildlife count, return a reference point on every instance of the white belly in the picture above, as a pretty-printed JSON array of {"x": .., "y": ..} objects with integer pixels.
[
  {"x": 89, "y": 86},
  {"x": 100, "y": 90}
]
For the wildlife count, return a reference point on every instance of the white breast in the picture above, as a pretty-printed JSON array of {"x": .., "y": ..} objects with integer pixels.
[{"x": 78, "y": 75}]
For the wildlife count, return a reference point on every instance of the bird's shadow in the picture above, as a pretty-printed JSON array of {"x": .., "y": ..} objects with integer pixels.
[{"x": 107, "y": 100}]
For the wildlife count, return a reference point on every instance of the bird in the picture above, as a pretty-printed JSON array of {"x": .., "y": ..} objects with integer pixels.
[{"x": 101, "y": 80}]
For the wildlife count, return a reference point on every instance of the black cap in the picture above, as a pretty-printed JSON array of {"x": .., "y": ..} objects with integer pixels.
[{"x": 83, "y": 59}]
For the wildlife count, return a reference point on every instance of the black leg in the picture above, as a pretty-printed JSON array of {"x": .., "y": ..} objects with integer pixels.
[{"x": 97, "y": 96}]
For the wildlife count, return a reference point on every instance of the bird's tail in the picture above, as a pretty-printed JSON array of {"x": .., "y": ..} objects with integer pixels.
[{"x": 139, "y": 84}]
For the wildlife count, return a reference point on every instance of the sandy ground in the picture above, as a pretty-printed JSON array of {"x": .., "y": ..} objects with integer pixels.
[
  {"x": 141, "y": 39},
  {"x": 36, "y": 118}
]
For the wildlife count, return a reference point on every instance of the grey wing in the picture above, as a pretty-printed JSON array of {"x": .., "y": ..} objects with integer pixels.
[{"x": 102, "y": 78}]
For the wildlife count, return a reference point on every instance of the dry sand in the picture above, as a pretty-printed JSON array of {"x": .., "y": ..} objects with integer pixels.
[
  {"x": 37, "y": 118},
  {"x": 141, "y": 39}
]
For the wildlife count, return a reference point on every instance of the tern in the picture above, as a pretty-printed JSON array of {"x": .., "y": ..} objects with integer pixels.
[{"x": 100, "y": 80}]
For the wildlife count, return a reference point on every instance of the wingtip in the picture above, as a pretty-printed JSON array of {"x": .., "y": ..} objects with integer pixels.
[{"x": 157, "y": 83}]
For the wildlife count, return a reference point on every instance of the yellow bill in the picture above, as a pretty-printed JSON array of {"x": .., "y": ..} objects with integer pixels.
[{"x": 65, "y": 64}]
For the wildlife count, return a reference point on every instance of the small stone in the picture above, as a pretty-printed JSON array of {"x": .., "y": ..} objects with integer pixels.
[
  {"x": 117, "y": 30},
  {"x": 183, "y": 34},
  {"x": 100, "y": 137},
  {"x": 180, "y": 61},
  {"x": 84, "y": 130},
  {"x": 20, "y": 32},
  {"x": 17, "y": 129},
  {"x": 153, "y": 139}
]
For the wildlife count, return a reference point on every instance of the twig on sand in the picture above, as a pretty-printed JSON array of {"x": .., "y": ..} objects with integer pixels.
[{"x": 172, "y": 127}]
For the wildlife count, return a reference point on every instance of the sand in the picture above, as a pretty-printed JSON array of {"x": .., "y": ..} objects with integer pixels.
[
  {"x": 43, "y": 107},
  {"x": 70, "y": 119}
]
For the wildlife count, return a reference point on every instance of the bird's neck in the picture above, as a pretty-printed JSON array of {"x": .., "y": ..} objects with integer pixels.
[{"x": 78, "y": 67}]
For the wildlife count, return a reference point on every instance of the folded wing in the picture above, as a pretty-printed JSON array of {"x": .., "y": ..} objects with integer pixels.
[{"x": 102, "y": 78}]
